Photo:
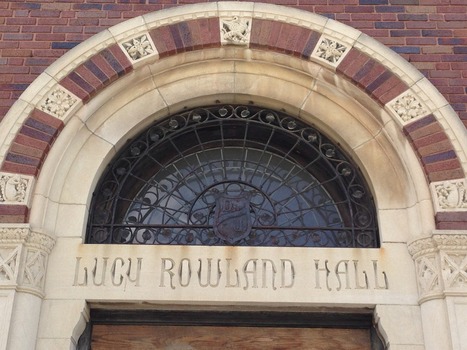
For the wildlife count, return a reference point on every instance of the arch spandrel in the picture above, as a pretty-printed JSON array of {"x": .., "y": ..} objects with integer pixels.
[{"x": 75, "y": 79}]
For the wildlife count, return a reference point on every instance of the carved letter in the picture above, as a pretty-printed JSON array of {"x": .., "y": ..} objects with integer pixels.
[
  {"x": 345, "y": 272},
  {"x": 325, "y": 269},
  {"x": 77, "y": 268},
  {"x": 117, "y": 271},
  {"x": 164, "y": 268},
  {"x": 219, "y": 273},
  {"x": 228, "y": 283},
  {"x": 357, "y": 283},
  {"x": 273, "y": 274},
  {"x": 375, "y": 268},
  {"x": 94, "y": 272},
  {"x": 138, "y": 271},
  {"x": 184, "y": 271},
  {"x": 291, "y": 273},
  {"x": 246, "y": 272}
]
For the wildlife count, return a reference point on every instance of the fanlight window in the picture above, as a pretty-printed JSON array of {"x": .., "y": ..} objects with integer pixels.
[{"x": 233, "y": 175}]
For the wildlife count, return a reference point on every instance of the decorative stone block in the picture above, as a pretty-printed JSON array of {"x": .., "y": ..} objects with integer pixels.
[
  {"x": 139, "y": 47},
  {"x": 58, "y": 103},
  {"x": 428, "y": 274},
  {"x": 407, "y": 108},
  {"x": 330, "y": 51},
  {"x": 34, "y": 269},
  {"x": 9, "y": 263},
  {"x": 454, "y": 269},
  {"x": 235, "y": 30},
  {"x": 15, "y": 188},
  {"x": 450, "y": 195}
]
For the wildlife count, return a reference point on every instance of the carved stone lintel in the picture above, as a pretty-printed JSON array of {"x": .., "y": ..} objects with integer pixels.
[
  {"x": 450, "y": 195},
  {"x": 235, "y": 30}
]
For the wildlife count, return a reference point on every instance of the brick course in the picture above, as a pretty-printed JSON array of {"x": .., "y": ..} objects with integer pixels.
[{"x": 422, "y": 31}]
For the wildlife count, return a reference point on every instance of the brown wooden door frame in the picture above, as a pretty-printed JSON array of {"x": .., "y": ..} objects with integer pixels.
[{"x": 283, "y": 319}]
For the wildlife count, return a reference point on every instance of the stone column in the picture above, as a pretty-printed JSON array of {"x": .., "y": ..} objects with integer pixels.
[
  {"x": 23, "y": 263},
  {"x": 441, "y": 266}
]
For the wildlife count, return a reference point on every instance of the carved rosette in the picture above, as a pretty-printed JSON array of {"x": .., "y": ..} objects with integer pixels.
[
  {"x": 23, "y": 258},
  {"x": 330, "y": 50},
  {"x": 58, "y": 103},
  {"x": 235, "y": 30},
  {"x": 407, "y": 107},
  {"x": 139, "y": 47},
  {"x": 441, "y": 265}
]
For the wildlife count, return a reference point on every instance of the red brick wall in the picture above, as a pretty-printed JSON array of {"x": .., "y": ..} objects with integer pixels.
[{"x": 431, "y": 34}]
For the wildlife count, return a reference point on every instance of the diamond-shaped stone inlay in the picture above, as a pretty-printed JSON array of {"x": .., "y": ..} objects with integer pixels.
[
  {"x": 235, "y": 30},
  {"x": 330, "y": 50},
  {"x": 58, "y": 103},
  {"x": 454, "y": 269},
  {"x": 8, "y": 264},
  {"x": 428, "y": 278},
  {"x": 34, "y": 269},
  {"x": 407, "y": 107},
  {"x": 139, "y": 47}
]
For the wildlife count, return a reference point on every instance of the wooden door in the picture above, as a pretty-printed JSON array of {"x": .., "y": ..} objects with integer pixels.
[{"x": 145, "y": 337}]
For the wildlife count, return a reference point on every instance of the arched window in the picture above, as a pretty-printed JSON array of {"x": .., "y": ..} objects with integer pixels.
[{"x": 233, "y": 175}]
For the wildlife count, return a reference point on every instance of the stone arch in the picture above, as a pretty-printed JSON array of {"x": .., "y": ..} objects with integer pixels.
[
  {"x": 65, "y": 128},
  {"x": 327, "y": 52}
]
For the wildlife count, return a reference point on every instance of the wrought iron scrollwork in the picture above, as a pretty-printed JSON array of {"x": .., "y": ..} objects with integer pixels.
[{"x": 233, "y": 175}]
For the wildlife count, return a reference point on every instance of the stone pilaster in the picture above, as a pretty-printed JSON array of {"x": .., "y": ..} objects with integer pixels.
[
  {"x": 23, "y": 263},
  {"x": 441, "y": 267}
]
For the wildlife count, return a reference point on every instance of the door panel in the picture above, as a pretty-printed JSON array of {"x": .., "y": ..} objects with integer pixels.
[{"x": 145, "y": 337}]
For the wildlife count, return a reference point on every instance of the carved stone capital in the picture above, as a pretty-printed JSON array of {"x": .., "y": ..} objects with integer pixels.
[
  {"x": 441, "y": 264},
  {"x": 41, "y": 241},
  {"x": 422, "y": 246},
  {"x": 23, "y": 258}
]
